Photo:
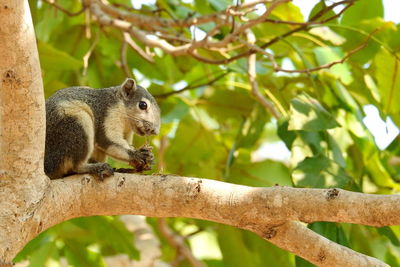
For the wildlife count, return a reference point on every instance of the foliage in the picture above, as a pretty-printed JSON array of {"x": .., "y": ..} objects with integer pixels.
[{"x": 219, "y": 131}]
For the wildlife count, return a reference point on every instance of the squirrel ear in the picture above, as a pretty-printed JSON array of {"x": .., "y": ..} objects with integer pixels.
[{"x": 128, "y": 87}]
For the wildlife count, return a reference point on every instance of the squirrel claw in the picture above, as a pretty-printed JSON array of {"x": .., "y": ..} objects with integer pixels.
[{"x": 103, "y": 171}]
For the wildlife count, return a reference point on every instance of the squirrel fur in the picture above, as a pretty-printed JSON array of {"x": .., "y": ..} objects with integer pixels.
[{"x": 84, "y": 126}]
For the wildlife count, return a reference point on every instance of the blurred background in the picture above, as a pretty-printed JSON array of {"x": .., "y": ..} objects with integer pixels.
[{"x": 321, "y": 110}]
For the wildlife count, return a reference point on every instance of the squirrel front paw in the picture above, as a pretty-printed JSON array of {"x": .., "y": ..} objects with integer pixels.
[
  {"x": 142, "y": 158},
  {"x": 102, "y": 170}
]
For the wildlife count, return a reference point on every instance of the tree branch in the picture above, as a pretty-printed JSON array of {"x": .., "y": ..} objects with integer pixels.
[
  {"x": 274, "y": 40},
  {"x": 251, "y": 72},
  {"x": 66, "y": 11},
  {"x": 134, "y": 23},
  {"x": 178, "y": 242},
  {"x": 149, "y": 22},
  {"x": 265, "y": 211},
  {"x": 193, "y": 86},
  {"x": 297, "y": 238}
]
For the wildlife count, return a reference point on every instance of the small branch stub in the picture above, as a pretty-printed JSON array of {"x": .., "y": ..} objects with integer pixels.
[{"x": 332, "y": 194}]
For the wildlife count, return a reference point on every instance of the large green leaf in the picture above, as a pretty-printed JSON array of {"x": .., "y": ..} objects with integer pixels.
[
  {"x": 320, "y": 172},
  {"x": 51, "y": 58},
  {"x": 78, "y": 255},
  {"x": 46, "y": 255},
  {"x": 253, "y": 127},
  {"x": 240, "y": 248},
  {"x": 264, "y": 173},
  {"x": 388, "y": 77},
  {"x": 308, "y": 115},
  {"x": 363, "y": 9},
  {"x": 110, "y": 231},
  {"x": 195, "y": 150}
]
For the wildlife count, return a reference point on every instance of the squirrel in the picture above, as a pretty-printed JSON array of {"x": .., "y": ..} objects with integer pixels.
[{"x": 85, "y": 125}]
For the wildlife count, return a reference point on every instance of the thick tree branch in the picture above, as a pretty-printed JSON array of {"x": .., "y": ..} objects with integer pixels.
[
  {"x": 265, "y": 211},
  {"x": 297, "y": 238}
]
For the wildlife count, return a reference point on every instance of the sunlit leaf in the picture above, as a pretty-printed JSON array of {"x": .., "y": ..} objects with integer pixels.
[
  {"x": 320, "y": 172},
  {"x": 388, "y": 77},
  {"x": 327, "y": 55},
  {"x": 308, "y": 115}
]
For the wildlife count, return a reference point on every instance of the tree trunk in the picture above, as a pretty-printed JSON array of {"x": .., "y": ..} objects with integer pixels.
[{"x": 22, "y": 131}]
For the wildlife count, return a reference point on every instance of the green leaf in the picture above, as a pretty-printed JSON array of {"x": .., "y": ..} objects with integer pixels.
[
  {"x": 320, "y": 172},
  {"x": 288, "y": 12},
  {"x": 300, "y": 262},
  {"x": 240, "y": 104},
  {"x": 357, "y": 36},
  {"x": 253, "y": 127},
  {"x": 388, "y": 76},
  {"x": 190, "y": 152},
  {"x": 173, "y": 109},
  {"x": 361, "y": 10},
  {"x": 79, "y": 255},
  {"x": 287, "y": 136},
  {"x": 332, "y": 231},
  {"x": 56, "y": 60},
  {"x": 203, "y": 6},
  {"x": 264, "y": 173},
  {"x": 34, "y": 245},
  {"x": 242, "y": 248},
  {"x": 326, "y": 55},
  {"x": 233, "y": 249},
  {"x": 388, "y": 232},
  {"x": 45, "y": 255},
  {"x": 112, "y": 231},
  {"x": 308, "y": 115},
  {"x": 220, "y": 5},
  {"x": 320, "y": 6}
]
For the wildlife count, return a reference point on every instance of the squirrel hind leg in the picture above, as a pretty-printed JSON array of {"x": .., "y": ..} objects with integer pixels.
[
  {"x": 99, "y": 170},
  {"x": 97, "y": 156}
]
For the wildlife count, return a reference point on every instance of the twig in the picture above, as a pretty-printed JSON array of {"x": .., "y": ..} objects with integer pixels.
[
  {"x": 280, "y": 37},
  {"x": 138, "y": 49},
  {"x": 194, "y": 86},
  {"x": 124, "y": 63},
  {"x": 331, "y": 64},
  {"x": 86, "y": 57},
  {"x": 178, "y": 242},
  {"x": 251, "y": 70},
  {"x": 146, "y": 22},
  {"x": 88, "y": 31},
  {"x": 69, "y": 13},
  {"x": 99, "y": 10},
  {"x": 129, "y": 8}
]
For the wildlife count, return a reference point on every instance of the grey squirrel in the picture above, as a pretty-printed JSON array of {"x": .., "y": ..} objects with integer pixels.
[{"x": 85, "y": 125}]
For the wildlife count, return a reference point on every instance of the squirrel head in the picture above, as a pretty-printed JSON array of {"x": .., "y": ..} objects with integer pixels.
[{"x": 141, "y": 108}]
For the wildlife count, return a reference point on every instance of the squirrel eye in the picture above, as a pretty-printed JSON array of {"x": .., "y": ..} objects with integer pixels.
[{"x": 142, "y": 105}]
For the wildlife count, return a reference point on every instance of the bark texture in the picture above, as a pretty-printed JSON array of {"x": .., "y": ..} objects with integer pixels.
[
  {"x": 265, "y": 211},
  {"x": 22, "y": 118}
]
